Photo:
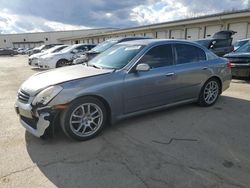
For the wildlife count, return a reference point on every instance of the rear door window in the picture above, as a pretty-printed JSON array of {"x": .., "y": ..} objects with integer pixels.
[
  {"x": 189, "y": 54},
  {"x": 158, "y": 56}
]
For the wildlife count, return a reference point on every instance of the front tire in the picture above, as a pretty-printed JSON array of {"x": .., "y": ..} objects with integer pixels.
[
  {"x": 62, "y": 63},
  {"x": 209, "y": 92},
  {"x": 84, "y": 118}
]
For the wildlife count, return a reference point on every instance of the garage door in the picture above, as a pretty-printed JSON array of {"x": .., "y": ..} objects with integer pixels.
[
  {"x": 211, "y": 30},
  {"x": 240, "y": 28},
  {"x": 248, "y": 31},
  {"x": 149, "y": 35},
  {"x": 176, "y": 34},
  {"x": 162, "y": 34},
  {"x": 193, "y": 33},
  {"x": 95, "y": 41},
  {"x": 139, "y": 34}
]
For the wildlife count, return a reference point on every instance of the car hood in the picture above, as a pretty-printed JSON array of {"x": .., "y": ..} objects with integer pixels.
[
  {"x": 42, "y": 80},
  {"x": 238, "y": 55}
]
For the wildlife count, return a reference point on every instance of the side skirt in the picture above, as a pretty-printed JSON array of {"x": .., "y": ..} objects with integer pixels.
[{"x": 158, "y": 108}]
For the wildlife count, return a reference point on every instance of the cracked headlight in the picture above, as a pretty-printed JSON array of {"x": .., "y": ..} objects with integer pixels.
[{"x": 46, "y": 95}]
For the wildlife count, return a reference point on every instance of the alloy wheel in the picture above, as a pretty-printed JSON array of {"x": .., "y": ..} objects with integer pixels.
[
  {"x": 211, "y": 92},
  {"x": 86, "y": 119}
]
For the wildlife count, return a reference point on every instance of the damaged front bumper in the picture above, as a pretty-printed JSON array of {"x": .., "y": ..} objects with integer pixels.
[{"x": 36, "y": 121}]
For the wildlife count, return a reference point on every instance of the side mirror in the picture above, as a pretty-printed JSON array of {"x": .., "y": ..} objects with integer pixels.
[{"x": 142, "y": 67}]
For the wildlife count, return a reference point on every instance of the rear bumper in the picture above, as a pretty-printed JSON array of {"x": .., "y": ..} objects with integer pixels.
[
  {"x": 241, "y": 69},
  {"x": 34, "y": 121}
]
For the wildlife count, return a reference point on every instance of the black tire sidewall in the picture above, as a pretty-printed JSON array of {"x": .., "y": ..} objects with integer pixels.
[
  {"x": 201, "y": 99},
  {"x": 66, "y": 114},
  {"x": 59, "y": 62}
]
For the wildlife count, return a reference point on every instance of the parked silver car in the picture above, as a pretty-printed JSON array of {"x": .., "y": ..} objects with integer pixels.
[{"x": 128, "y": 79}]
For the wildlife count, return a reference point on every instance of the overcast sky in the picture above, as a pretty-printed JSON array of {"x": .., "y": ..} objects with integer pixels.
[{"x": 18, "y": 16}]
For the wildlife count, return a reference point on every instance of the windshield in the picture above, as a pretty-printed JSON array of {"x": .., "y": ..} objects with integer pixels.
[
  {"x": 116, "y": 57},
  {"x": 39, "y": 48},
  {"x": 244, "y": 49},
  {"x": 67, "y": 49},
  {"x": 51, "y": 49},
  {"x": 240, "y": 43},
  {"x": 104, "y": 45}
]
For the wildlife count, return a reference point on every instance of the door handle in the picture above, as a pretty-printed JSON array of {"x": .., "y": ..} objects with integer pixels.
[
  {"x": 204, "y": 68},
  {"x": 169, "y": 74}
]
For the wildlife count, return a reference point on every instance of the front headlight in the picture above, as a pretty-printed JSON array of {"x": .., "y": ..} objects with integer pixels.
[{"x": 46, "y": 95}]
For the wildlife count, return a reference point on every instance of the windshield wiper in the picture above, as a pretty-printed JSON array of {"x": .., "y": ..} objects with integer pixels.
[{"x": 97, "y": 67}]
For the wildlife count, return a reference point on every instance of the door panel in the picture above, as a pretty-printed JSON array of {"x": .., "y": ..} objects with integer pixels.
[
  {"x": 191, "y": 70},
  {"x": 152, "y": 88},
  {"x": 148, "y": 89},
  {"x": 189, "y": 78}
]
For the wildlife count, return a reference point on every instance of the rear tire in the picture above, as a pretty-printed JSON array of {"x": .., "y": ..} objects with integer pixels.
[
  {"x": 209, "y": 92},
  {"x": 84, "y": 118}
]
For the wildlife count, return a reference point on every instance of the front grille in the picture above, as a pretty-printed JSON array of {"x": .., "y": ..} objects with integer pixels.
[
  {"x": 23, "y": 96},
  {"x": 31, "y": 122}
]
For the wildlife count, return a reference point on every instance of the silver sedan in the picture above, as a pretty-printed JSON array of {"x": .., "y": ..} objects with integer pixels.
[{"x": 128, "y": 79}]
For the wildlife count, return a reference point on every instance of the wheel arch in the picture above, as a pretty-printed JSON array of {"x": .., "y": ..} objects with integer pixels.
[
  {"x": 103, "y": 100},
  {"x": 61, "y": 60},
  {"x": 218, "y": 79}
]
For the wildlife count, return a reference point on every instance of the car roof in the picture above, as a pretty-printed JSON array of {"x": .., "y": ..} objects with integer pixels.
[
  {"x": 121, "y": 39},
  {"x": 157, "y": 41},
  {"x": 207, "y": 39}
]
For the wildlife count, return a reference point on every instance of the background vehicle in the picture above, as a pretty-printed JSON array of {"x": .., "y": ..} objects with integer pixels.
[
  {"x": 240, "y": 43},
  {"x": 21, "y": 51},
  {"x": 33, "y": 59},
  {"x": 64, "y": 57},
  {"x": 102, "y": 47},
  {"x": 220, "y": 43},
  {"x": 41, "y": 48},
  {"x": 8, "y": 52},
  {"x": 127, "y": 79},
  {"x": 240, "y": 61}
]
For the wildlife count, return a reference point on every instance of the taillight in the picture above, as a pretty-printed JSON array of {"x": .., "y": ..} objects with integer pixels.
[{"x": 229, "y": 65}]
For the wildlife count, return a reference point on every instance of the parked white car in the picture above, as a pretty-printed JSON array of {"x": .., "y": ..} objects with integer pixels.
[
  {"x": 64, "y": 57},
  {"x": 33, "y": 59}
]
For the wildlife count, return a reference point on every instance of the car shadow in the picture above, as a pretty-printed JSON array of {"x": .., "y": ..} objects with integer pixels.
[
  {"x": 241, "y": 79},
  {"x": 70, "y": 163},
  {"x": 36, "y": 69}
]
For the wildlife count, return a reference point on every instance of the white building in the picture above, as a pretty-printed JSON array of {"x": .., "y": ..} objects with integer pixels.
[
  {"x": 190, "y": 29},
  {"x": 30, "y": 40}
]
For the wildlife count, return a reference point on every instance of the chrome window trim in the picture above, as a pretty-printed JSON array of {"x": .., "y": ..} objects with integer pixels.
[
  {"x": 155, "y": 45},
  {"x": 173, "y": 51}
]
